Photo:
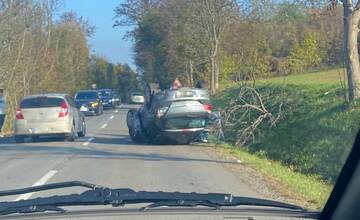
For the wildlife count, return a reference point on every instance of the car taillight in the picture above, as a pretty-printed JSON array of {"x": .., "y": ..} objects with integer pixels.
[
  {"x": 64, "y": 110},
  {"x": 208, "y": 107},
  {"x": 19, "y": 114}
]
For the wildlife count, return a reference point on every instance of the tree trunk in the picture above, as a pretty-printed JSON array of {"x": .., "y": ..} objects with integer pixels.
[
  {"x": 212, "y": 69},
  {"x": 191, "y": 75},
  {"x": 217, "y": 73},
  {"x": 351, "y": 31}
]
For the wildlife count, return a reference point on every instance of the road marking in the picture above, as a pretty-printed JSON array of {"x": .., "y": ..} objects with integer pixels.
[
  {"x": 88, "y": 141},
  {"x": 111, "y": 117},
  {"x": 116, "y": 111},
  {"x": 104, "y": 126},
  {"x": 40, "y": 182}
]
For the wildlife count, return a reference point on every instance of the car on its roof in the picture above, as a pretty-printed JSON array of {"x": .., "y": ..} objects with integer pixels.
[
  {"x": 174, "y": 115},
  {"x": 48, "y": 115}
]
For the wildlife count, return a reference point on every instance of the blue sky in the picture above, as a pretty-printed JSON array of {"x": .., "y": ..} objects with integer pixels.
[{"x": 108, "y": 41}]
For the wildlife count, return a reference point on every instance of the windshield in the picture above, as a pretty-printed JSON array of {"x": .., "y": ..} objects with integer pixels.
[
  {"x": 105, "y": 93},
  {"x": 251, "y": 98},
  {"x": 86, "y": 95}
]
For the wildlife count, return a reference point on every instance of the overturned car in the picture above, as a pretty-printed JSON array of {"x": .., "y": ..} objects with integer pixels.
[{"x": 177, "y": 116}]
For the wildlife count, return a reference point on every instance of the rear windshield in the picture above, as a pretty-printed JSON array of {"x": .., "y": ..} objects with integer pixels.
[
  {"x": 182, "y": 123},
  {"x": 86, "y": 95},
  {"x": 136, "y": 94},
  {"x": 41, "y": 102}
]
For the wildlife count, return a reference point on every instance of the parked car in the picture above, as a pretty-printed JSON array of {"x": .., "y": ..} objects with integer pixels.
[
  {"x": 107, "y": 98},
  {"x": 48, "y": 114},
  {"x": 88, "y": 101},
  {"x": 137, "y": 98},
  {"x": 172, "y": 115},
  {"x": 2, "y": 111}
]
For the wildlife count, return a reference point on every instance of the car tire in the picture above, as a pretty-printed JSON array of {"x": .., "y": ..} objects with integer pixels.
[
  {"x": 135, "y": 135},
  {"x": 82, "y": 133},
  {"x": 71, "y": 136},
  {"x": 19, "y": 139}
]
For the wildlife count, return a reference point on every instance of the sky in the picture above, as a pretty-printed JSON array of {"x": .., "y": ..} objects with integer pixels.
[{"x": 108, "y": 41}]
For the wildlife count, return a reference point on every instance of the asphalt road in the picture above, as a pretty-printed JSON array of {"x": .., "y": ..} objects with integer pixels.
[{"x": 108, "y": 157}]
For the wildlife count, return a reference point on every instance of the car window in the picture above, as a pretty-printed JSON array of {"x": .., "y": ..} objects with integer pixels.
[
  {"x": 41, "y": 102},
  {"x": 86, "y": 95}
]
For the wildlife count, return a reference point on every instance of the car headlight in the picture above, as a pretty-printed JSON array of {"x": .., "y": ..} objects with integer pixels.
[
  {"x": 161, "y": 111},
  {"x": 94, "y": 104}
]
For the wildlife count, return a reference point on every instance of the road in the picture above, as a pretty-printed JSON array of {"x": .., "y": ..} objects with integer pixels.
[{"x": 108, "y": 157}]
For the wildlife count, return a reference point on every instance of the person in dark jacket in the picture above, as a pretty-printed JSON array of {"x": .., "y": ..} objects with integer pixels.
[{"x": 200, "y": 84}]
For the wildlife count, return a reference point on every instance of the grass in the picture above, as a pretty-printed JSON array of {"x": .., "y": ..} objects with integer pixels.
[
  {"x": 309, "y": 191},
  {"x": 309, "y": 146}
]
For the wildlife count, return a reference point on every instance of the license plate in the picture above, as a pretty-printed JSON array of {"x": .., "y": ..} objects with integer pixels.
[
  {"x": 83, "y": 108},
  {"x": 185, "y": 94}
]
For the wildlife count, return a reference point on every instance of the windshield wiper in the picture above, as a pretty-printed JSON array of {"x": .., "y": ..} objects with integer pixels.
[{"x": 99, "y": 195}]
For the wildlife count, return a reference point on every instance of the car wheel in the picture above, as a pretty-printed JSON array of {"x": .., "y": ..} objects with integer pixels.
[
  {"x": 82, "y": 133},
  {"x": 135, "y": 135},
  {"x": 71, "y": 136},
  {"x": 19, "y": 139}
]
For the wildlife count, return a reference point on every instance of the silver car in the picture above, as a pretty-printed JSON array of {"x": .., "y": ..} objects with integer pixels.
[{"x": 48, "y": 115}]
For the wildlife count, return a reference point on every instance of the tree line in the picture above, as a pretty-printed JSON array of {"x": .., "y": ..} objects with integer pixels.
[
  {"x": 222, "y": 40},
  {"x": 43, "y": 50}
]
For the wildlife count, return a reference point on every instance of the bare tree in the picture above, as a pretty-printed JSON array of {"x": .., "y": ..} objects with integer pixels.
[
  {"x": 351, "y": 31},
  {"x": 212, "y": 17}
]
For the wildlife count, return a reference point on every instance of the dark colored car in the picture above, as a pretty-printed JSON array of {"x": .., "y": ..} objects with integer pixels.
[
  {"x": 176, "y": 115},
  {"x": 117, "y": 98},
  {"x": 107, "y": 98},
  {"x": 88, "y": 101}
]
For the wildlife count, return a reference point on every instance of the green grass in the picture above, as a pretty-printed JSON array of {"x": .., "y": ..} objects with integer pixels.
[
  {"x": 312, "y": 139},
  {"x": 309, "y": 191},
  {"x": 328, "y": 77}
]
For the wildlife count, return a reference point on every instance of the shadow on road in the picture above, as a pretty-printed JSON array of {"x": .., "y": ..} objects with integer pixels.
[{"x": 82, "y": 152}]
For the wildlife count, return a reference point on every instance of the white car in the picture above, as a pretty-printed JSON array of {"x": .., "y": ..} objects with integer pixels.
[{"x": 48, "y": 115}]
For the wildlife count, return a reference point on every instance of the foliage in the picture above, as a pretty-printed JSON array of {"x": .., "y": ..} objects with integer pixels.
[
  {"x": 105, "y": 75},
  {"x": 257, "y": 39},
  {"x": 305, "y": 54}
]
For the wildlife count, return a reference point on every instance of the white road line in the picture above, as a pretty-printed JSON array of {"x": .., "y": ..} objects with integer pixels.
[
  {"x": 116, "y": 111},
  {"x": 88, "y": 141},
  {"x": 111, "y": 117},
  {"x": 40, "y": 182},
  {"x": 104, "y": 126}
]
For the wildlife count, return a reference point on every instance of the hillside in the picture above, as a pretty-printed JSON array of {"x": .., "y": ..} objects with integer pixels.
[{"x": 317, "y": 129}]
